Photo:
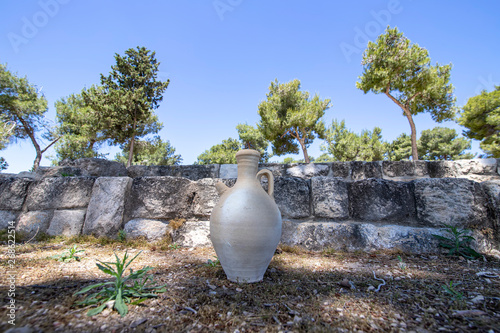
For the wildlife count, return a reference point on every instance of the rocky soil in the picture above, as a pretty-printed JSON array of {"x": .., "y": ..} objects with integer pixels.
[{"x": 302, "y": 291}]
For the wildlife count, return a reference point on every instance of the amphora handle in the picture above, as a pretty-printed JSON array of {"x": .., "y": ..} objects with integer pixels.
[{"x": 270, "y": 180}]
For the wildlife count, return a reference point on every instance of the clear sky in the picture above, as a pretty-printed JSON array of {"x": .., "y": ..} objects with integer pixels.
[{"x": 221, "y": 55}]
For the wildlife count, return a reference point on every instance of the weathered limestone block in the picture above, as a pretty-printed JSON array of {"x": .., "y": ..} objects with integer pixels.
[
  {"x": 106, "y": 208},
  {"x": 330, "y": 198},
  {"x": 7, "y": 216},
  {"x": 160, "y": 198},
  {"x": 150, "y": 229},
  {"x": 492, "y": 190},
  {"x": 193, "y": 234},
  {"x": 364, "y": 170},
  {"x": 13, "y": 191},
  {"x": 382, "y": 200},
  {"x": 60, "y": 171},
  {"x": 97, "y": 167},
  {"x": 205, "y": 198},
  {"x": 277, "y": 169},
  {"x": 34, "y": 222},
  {"x": 60, "y": 193},
  {"x": 341, "y": 169},
  {"x": 483, "y": 166},
  {"x": 67, "y": 222},
  {"x": 479, "y": 169},
  {"x": 454, "y": 201},
  {"x": 307, "y": 171},
  {"x": 228, "y": 171},
  {"x": 351, "y": 236},
  {"x": 404, "y": 170},
  {"x": 192, "y": 172},
  {"x": 292, "y": 195}
]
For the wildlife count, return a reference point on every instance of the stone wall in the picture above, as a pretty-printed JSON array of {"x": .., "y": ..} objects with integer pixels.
[{"x": 342, "y": 205}]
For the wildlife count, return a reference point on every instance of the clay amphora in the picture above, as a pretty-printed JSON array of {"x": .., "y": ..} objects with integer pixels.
[{"x": 245, "y": 225}]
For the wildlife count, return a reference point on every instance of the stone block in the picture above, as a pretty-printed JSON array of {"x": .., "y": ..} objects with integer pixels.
[
  {"x": 160, "y": 198},
  {"x": 330, "y": 198},
  {"x": 492, "y": 190},
  {"x": 193, "y": 234},
  {"x": 150, "y": 229},
  {"x": 7, "y": 216},
  {"x": 34, "y": 222},
  {"x": 13, "y": 192},
  {"x": 292, "y": 195},
  {"x": 453, "y": 201},
  {"x": 60, "y": 171},
  {"x": 106, "y": 208},
  {"x": 67, "y": 222},
  {"x": 228, "y": 171},
  {"x": 277, "y": 169},
  {"x": 192, "y": 172},
  {"x": 307, "y": 171},
  {"x": 365, "y": 170},
  {"x": 381, "y": 200},
  {"x": 60, "y": 193},
  {"x": 404, "y": 170},
  {"x": 205, "y": 198},
  {"x": 341, "y": 169},
  {"x": 97, "y": 167},
  {"x": 352, "y": 236}
]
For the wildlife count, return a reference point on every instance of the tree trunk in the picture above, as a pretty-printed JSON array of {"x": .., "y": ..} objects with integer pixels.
[
  {"x": 414, "y": 152},
  {"x": 304, "y": 150}
]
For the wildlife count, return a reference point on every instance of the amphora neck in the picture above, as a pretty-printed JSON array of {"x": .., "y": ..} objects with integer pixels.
[{"x": 248, "y": 163}]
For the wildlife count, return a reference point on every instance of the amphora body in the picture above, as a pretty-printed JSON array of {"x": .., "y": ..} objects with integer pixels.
[{"x": 245, "y": 225}]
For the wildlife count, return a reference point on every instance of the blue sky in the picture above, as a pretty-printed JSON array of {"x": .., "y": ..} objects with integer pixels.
[{"x": 221, "y": 55}]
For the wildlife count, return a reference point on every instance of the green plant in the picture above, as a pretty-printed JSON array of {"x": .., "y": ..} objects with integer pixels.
[
  {"x": 119, "y": 291},
  {"x": 213, "y": 263},
  {"x": 122, "y": 236},
  {"x": 449, "y": 289},
  {"x": 174, "y": 246},
  {"x": 401, "y": 264},
  {"x": 458, "y": 243},
  {"x": 69, "y": 254}
]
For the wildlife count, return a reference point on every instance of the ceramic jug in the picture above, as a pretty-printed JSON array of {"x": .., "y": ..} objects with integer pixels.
[{"x": 245, "y": 225}]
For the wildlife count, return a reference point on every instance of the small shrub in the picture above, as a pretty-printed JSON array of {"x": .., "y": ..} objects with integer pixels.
[
  {"x": 174, "y": 246},
  {"x": 119, "y": 291},
  {"x": 68, "y": 255},
  {"x": 122, "y": 236},
  {"x": 458, "y": 243},
  {"x": 213, "y": 263},
  {"x": 449, "y": 289}
]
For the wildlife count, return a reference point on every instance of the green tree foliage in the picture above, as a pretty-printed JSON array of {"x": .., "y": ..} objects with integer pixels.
[
  {"x": 129, "y": 95},
  {"x": 223, "y": 153},
  {"x": 441, "y": 143},
  {"x": 400, "y": 148},
  {"x": 402, "y": 71},
  {"x": 23, "y": 105},
  {"x": 481, "y": 115},
  {"x": 289, "y": 118},
  {"x": 151, "y": 152},
  {"x": 80, "y": 127},
  {"x": 253, "y": 138},
  {"x": 6, "y": 131},
  {"x": 344, "y": 145}
]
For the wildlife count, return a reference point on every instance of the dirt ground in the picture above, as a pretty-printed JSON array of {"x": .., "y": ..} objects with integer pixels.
[{"x": 301, "y": 292}]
